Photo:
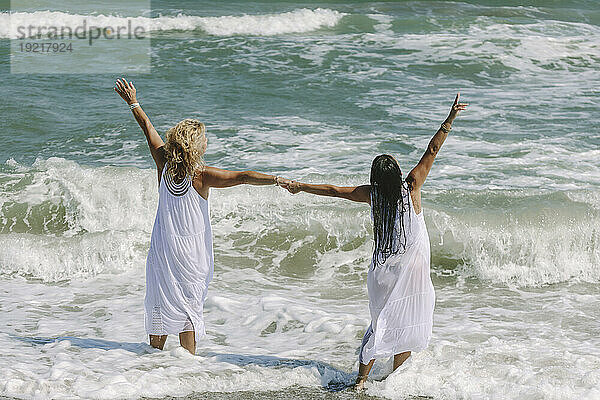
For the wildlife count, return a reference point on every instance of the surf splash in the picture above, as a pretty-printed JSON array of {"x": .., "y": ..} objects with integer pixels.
[
  {"x": 62, "y": 221},
  {"x": 297, "y": 21}
]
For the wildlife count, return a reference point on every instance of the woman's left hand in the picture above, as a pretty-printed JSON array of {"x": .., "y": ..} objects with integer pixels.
[{"x": 456, "y": 108}]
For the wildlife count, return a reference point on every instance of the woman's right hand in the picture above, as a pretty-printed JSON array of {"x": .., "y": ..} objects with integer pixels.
[
  {"x": 456, "y": 108},
  {"x": 126, "y": 91}
]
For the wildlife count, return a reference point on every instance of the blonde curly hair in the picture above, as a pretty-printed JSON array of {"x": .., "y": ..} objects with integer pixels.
[{"x": 185, "y": 145}]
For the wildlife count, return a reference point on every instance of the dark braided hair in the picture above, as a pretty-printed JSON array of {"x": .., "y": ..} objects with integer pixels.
[{"x": 386, "y": 202}]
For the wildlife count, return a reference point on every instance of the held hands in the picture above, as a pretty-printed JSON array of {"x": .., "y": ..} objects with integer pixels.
[
  {"x": 456, "y": 108},
  {"x": 291, "y": 186},
  {"x": 126, "y": 90}
]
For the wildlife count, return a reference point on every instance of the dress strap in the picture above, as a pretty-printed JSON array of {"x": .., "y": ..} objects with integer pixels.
[{"x": 176, "y": 189}]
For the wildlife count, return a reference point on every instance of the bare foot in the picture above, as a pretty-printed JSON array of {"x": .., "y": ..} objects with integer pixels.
[{"x": 359, "y": 386}]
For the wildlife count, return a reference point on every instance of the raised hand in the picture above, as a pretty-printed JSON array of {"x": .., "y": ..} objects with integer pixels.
[
  {"x": 126, "y": 90},
  {"x": 456, "y": 108}
]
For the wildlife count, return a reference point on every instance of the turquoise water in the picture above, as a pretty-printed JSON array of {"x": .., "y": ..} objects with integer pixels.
[{"x": 313, "y": 91}]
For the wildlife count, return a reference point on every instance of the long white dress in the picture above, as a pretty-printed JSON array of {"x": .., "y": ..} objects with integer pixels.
[
  {"x": 401, "y": 294},
  {"x": 180, "y": 261}
]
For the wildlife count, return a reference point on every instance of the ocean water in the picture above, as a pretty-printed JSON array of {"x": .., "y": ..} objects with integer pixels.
[{"x": 312, "y": 91}]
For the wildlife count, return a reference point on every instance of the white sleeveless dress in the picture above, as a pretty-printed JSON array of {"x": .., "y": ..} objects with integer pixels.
[
  {"x": 180, "y": 261},
  {"x": 401, "y": 294}
]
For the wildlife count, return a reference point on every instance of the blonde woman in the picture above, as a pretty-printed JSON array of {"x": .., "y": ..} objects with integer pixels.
[{"x": 179, "y": 266}]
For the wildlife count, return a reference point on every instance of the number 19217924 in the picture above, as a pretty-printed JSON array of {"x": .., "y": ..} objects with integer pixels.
[{"x": 55, "y": 47}]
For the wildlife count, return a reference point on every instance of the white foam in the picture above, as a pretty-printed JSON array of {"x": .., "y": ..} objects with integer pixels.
[
  {"x": 538, "y": 50},
  {"x": 495, "y": 369},
  {"x": 288, "y": 305},
  {"x": 99, "y": 353},
  {"x": 297, "y": 21},
  {"x": 109, "y": 213},
  {"x": 86, "y": 340},
  {"x": 95, "y": 199},
  {"x": 521, "y": 251}
]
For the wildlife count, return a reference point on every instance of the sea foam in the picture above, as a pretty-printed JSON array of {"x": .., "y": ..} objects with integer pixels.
[
  {"x": 297, "y": 21},
  {"x": 61, "y": 220}
]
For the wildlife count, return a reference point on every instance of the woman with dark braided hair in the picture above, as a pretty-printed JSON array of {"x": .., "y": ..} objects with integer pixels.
[{"x": 401, "y": 294}]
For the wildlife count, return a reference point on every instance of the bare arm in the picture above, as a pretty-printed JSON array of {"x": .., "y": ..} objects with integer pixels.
[
  {"x": 221, "y": 178},
  {"x": 419, "y": 173},
  {"x": 128, "y": 92},
  {"x": 361, "y": 194}
]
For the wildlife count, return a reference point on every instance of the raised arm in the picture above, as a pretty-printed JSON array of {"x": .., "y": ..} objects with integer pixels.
[
  {"x": 361, "y": 194},
  {"x": 128, "y": 92},
  {"x": 419, "y": 173}
]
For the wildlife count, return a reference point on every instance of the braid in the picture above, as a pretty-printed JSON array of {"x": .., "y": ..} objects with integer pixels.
[{"x": 387, "y": 202}]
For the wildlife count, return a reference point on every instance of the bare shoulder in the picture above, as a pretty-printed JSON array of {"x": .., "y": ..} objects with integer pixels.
[
  {"x": 415, "y": 196},
  {"x": 364, "y": 193},
  {"x": 161, "y": 156},
  {"x": 361, "y": 194},
  {"x": 208, "y": 171},
  {"x": 207, "y": 174},
  {"x": 199, "y": 181},
  {"x": 412, "y": 179}
]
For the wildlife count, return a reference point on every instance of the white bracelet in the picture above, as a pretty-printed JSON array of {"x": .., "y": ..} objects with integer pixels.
[{"x": 134, "y": 105}]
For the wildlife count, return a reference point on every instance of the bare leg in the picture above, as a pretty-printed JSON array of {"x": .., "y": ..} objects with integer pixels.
[
  {"x": 400, "y": 358},
  {"x": 188, "y": 341},
  {"x": 363, "y": 373},
  {"x": 158, "y": 341}
]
